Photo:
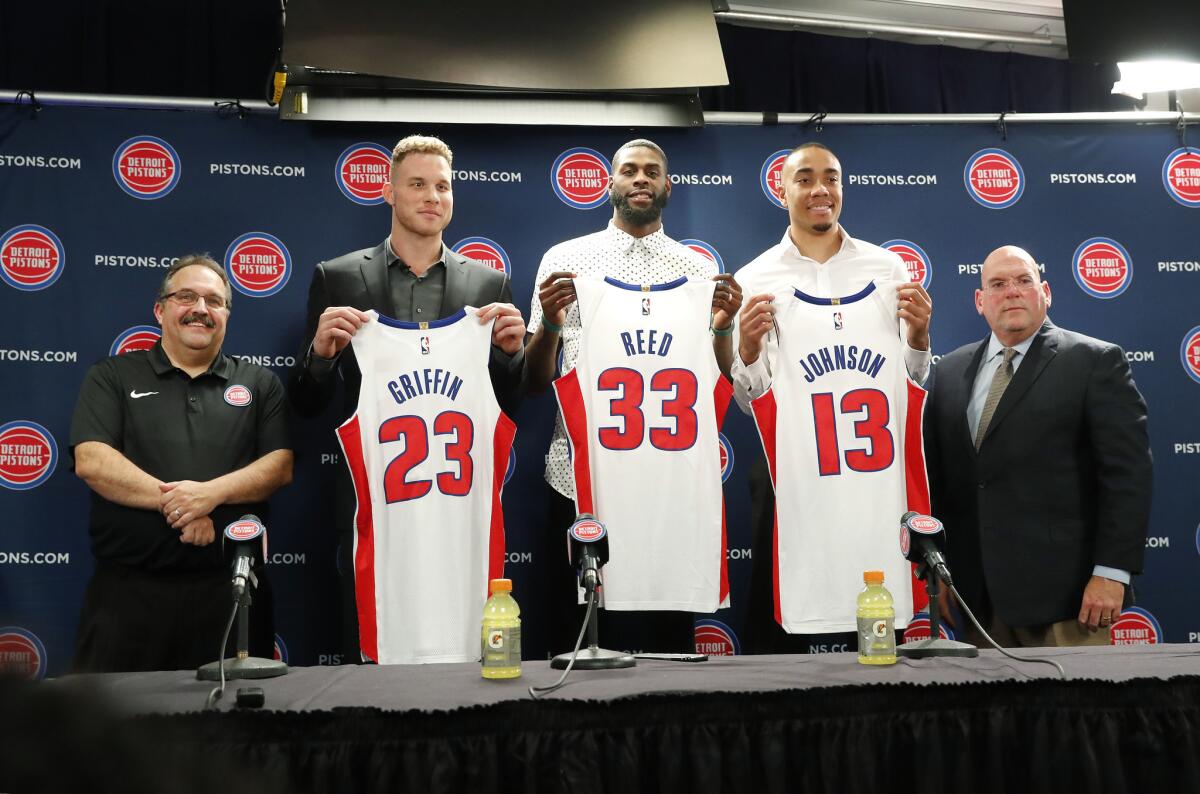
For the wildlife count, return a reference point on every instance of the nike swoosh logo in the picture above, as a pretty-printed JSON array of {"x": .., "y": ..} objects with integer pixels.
[{"x": 135, "y": 394}]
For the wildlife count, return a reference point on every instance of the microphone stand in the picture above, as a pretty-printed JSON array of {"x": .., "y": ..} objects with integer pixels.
[
  {"x": 243, "y": 665},
  {"x": 593, "y": 657},
  {"x": 934, "y": 645}
]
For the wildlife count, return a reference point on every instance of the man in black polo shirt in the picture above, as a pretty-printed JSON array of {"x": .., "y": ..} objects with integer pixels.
[{"x": 175, "y": 442}]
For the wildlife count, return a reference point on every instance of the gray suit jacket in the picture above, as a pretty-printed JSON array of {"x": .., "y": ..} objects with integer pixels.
[
  {"x": 1061, "y": 482},
  {"x": 359, "y": 279}
]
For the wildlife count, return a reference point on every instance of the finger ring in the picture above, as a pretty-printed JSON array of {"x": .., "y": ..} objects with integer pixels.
[{"x": 176, "y": 513}]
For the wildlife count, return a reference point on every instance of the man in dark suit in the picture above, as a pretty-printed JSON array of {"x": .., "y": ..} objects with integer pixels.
[
  {"x": 1039, "y": 465},
  {"x": 410, "y": 276}
]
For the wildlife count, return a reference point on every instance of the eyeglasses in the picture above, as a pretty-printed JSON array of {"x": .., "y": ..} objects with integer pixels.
[
  {"x": 1022, "y": 284},
  {"x": 186, "y": 297}
]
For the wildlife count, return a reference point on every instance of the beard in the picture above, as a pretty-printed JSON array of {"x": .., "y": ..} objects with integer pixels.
[
  {"x": 634, "y": 216},
  {"x": 822, "y": 227}
]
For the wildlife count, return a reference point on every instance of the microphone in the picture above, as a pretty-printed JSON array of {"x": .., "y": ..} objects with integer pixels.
[
  {"x": 241, "y": 532},
  {"x": 922, "y": 539},
  {"x": 587, "y": 549}
]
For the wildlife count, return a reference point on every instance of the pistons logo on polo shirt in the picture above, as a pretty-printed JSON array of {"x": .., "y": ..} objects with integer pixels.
[{"x": 238, "y": 396}]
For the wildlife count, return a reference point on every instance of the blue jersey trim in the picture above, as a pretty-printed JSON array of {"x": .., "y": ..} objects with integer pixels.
[
  {"x": 862, "y": 293},
  {"x": 442, "y": 323},
  {"x": 651, "y": 288}
]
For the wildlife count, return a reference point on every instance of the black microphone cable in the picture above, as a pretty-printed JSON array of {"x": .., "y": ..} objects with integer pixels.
[
  {"x": 1061, "y": 672},
  {"x": 219, "y": 690},
  {"x": 537, "y": 691}
]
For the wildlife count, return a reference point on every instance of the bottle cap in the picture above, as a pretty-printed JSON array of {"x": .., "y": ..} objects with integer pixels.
[
  {"x": 505, "y": 585},
  {"x": 870, "y": 577}
]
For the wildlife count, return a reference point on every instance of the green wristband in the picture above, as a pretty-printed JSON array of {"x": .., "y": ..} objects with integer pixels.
[
  {"x": 549, "y": 326},
  {"x": 722, "y": 331}
]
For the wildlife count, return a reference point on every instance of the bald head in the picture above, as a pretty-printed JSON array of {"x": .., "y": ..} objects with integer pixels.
[{"x": 1012, "y": 296}]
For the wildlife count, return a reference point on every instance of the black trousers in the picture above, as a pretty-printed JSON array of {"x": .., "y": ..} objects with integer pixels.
[
  {"x": 134, "y": 620},
  {"x": 633, "y": 632}
]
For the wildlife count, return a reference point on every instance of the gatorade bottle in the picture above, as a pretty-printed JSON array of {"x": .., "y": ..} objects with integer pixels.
[
  {"x": 501, "y": 635},
  {"x": 876, "y": 622}
]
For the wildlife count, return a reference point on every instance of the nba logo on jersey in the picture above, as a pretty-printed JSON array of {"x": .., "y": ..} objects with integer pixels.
[
  {"x": 645, "y": 307},
  {"x": 424, "y": 345},
  {"x": 837, "y": 321}
]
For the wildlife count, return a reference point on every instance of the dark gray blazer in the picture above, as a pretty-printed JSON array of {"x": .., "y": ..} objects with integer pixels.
[
  {"x": 1061, "y": 482},
  {"x": 359, "y": 279}
]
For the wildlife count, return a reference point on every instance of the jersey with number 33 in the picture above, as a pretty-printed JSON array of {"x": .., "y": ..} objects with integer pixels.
[{"x": 643, "y": 409}]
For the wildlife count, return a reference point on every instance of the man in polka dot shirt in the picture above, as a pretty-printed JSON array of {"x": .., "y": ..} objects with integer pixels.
[{"x": 634, "y": 249}]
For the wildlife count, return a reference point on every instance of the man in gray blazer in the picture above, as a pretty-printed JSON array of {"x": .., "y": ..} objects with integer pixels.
[
  {"x": 1039, "y": 466},
  {"x": 410, "y": 276}
]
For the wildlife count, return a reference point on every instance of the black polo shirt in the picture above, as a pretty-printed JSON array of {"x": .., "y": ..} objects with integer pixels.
[{"x": 175, "y": 427}]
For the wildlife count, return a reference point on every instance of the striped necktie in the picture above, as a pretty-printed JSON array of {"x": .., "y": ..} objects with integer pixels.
[{"x": 999, "y": 383}]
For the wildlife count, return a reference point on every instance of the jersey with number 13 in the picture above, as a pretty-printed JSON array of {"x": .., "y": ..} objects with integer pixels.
[{"x": 841, "y": 428}]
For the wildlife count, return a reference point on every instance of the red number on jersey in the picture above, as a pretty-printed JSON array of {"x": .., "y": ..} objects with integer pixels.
[
  {"x": 415, "y": 434},
  {"x": 872, "y": 427},
  {"x": 627, "y": 407},
  {"x": 396, "y": 487}
]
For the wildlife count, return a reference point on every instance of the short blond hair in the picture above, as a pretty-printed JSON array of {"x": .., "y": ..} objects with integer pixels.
[{"x": 420, "y": 144}]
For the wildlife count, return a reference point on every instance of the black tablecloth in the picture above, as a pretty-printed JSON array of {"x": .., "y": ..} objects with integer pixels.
[{"x": 1126, "y": 719}]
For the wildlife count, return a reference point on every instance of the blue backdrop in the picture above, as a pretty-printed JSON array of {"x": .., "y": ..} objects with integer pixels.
[{"x": 94, "y": 203}]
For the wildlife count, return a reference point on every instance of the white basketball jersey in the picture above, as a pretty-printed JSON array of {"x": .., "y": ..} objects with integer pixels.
[
  {"x": 841, "y": 427},
  {"x": 642, "y": 409},
  {"x": 427, "y": 450}
]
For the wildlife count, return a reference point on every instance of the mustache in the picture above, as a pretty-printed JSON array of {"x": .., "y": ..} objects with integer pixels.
[{"x": 208, "y": 321}]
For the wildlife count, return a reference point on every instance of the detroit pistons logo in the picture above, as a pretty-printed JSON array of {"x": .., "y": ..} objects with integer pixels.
[
  {"x": 280, "y": 653},
  {"x": 915, "y": 259},
  {"x": 31, "y": 257},
  {"x": 139, "y": 337},
  {"x": 245, "y": 529},
  {"x": 726, "y": 453},
  {"x": 1102, "y": 267},
  {"x": 28, "y": 455},
  {"x": 580, "y": 178},
  {"x": 994, "y": 178},
  {"x": 714, "y": 638},
  {"x": 238, "y": 396},
  {"x": 361, "y": 171},
  {"x": 770, "y": 178},
  {"x": 1189, "y": 353},
  {"x": 1136, "y": 626},
  {"x": 486, "y": 251},
  {"x": 146, "y": 167},
  {"x": 918, "y": 628},
  {"x": 1181, "y": 176},
  {"x": 258, "y": 264},
  {"x": 22, "y": 654},
  {"x": 707, "y": 251}
]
